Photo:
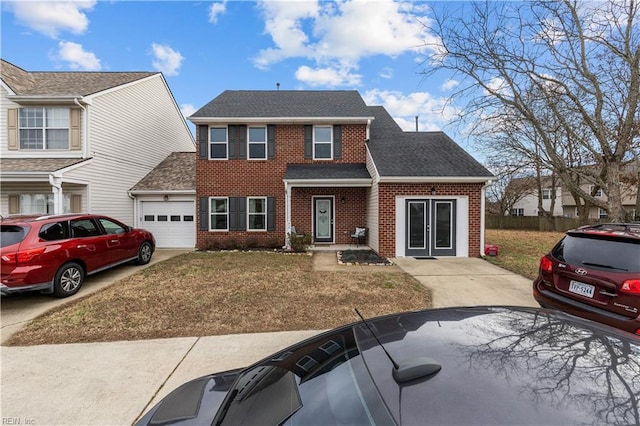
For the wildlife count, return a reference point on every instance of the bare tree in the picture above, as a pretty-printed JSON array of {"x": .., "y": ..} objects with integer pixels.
[{"x": 577, "y": 63}]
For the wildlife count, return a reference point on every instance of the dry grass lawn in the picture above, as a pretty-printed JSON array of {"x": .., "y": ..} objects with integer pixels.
[
  {"x": 520, "y": 251},
  {"x": 214, "y": 293}
]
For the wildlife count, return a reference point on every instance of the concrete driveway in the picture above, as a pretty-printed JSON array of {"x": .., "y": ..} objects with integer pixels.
[
  {"x": 18, "y": 309},
  {"x": 458, "y": 281},
  {"x": 115, "y": 383}
]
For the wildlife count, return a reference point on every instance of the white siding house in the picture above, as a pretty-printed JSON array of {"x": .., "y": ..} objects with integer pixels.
[{"x": 79, "y": 141}]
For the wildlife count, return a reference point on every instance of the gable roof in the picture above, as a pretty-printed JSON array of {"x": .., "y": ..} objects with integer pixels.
[
  {"x": 177, "y": 172},
  {"x": 64, "y": 83},
  {"x": 399, "y": 154},
  {"x": 285, "y": 104}
]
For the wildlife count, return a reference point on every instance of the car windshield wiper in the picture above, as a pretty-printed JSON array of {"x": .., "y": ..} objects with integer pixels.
[{"x": 598, "y": 265}]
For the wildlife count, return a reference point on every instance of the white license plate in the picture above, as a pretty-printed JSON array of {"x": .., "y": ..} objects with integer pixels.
[{"x": 582, "y": 289}]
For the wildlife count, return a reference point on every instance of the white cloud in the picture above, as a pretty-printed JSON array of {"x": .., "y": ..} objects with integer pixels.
[
  {"x": 328, "y": 76},
  {"x": 332, "y": 34},
  {"x": 433, "y": 113},
  {"x": 449, "y": 84},
  {"x": 77, "y": 57},
  {"x": 166, "y": 60},
  {"x": 52, "y": 17},
  {"x": 187, "y": 110},
  {"x": 217, "y": 8},
  {"x": 386, "y": 73}
]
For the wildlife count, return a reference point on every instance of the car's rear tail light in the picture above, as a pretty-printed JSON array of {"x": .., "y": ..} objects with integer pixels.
[
  {"x": 631, "y": 287},
  {"x": 24, "y": 256},
  {"x": 546, "y": 265}
]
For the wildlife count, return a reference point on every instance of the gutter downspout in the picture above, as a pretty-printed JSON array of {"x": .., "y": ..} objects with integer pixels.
[
  {"x": 483, "y": 194},
  {"x": 85, "y": 128},
  {"x": 287, "y": 215},
  {"x": 136, "y": 223}
]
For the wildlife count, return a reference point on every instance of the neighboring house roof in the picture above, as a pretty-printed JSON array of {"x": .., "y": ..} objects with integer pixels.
[
  {"x": 29, "y": 83},
  {"x": 177, "y": 172},
  {"x": 285, "y": 103},
  {"x": 326, "y": 171},
  {"x": 418, "y": 154},
  {"x": 35, "y": 165}
]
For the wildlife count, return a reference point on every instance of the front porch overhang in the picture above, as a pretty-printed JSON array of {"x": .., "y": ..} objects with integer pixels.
[
  {"x": 43, "y": 170},
  {"x": 322, "y": 175}
]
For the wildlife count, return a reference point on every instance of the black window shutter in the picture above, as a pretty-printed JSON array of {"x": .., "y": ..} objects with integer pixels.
[
  {"x": 242, "y": 142},
  {"x": 337, "y": 141},
  {"x": 271, "y": 142},
  {"x": 308, "y": 141},
  {"x": 203, "y": 142},
  {"x": 233, "y": 213},
  {"x": 231, "y": 141},
  {"x": 242, "y": 214},
  {"x": 271, "y": 213},
  {"x": 204, "y": 212}
]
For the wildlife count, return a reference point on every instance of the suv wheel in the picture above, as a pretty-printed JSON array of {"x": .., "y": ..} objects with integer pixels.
[
  {"x": 144, "y": 253},
  {"x": 68, "y": 280}
]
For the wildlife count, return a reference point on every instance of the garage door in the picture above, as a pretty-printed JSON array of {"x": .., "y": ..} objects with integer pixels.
[{"x": 171, "y": 222}]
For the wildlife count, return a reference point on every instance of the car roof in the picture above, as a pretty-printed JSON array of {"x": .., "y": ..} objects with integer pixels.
[
  {"x": 609, "y": 231},
  {"x": 28, "y": 218},
  {"x": 520, "y": 361}
]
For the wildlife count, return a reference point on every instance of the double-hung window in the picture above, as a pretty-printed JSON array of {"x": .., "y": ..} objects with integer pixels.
[
  {"x": 44, "y": 128},
  {"x": 322, "y": 142},
  {"x": 598, "y": 193},
  {"x": 546, "y": 194},
  {"x": 219, "y": 214},
  {"x": 257, "y": 143},
  {"x": 257, "y": 213},
  {"x": 218, "y": 143},
  {"x": 517, "y": 212}
]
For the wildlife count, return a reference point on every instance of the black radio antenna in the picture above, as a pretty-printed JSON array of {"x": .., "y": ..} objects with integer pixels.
[
  {"x": 395, "y": 364},
  {"x": 409, "y": 370}
]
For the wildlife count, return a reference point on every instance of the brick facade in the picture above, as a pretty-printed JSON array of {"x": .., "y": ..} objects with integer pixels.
[
  {"x": 387, "y": 194},
  {"x": 264, "y": 178}
]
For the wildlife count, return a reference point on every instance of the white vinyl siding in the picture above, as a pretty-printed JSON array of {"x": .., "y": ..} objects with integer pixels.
[
  {"x": 132, "y": 130},
  {"x": 372, "y": 207}
]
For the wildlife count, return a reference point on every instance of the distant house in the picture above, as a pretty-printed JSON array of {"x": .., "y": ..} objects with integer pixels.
[
  {"x": 565, "y": 204},
  {"x": 325, "y": 163},
  {"x": 79, "y": 141},
  {"x": 525, "y": 190}
]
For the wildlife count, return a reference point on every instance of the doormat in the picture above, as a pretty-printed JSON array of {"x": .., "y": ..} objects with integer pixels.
[{"x": 424, "y": 258}]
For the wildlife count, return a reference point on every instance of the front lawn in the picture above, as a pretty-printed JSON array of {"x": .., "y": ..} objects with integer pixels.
[
  {"x": 214, "y": 293},
  {"x": 520, "y": 251}
]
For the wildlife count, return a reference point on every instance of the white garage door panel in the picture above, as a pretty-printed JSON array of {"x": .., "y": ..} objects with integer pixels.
[{"x": 171, "y": 222}]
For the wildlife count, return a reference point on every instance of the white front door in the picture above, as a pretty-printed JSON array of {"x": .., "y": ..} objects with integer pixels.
[{"x": 323, "y": 219}]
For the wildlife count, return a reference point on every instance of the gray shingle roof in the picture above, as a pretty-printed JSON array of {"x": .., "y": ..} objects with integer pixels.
[
  {"x": 35, "y": 165},
  {"x": 177, "y": 172},
  {"x": 326, "y": 171},
  {"x": 26, "y": 83},
  {"x": 420, "y": 154},
  {"x": 285, "y": 103}
]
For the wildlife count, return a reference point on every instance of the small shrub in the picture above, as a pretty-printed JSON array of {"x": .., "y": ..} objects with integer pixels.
[{"x": 300, "y": 242}]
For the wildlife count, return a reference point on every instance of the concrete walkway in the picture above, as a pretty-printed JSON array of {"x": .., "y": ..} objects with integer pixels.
[{"x": 115, "y": 383}]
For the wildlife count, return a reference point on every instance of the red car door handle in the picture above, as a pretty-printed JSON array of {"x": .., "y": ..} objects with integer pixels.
[{"x": 81, "y": 246}]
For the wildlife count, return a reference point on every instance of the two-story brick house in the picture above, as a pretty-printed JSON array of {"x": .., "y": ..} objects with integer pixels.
[
  {"x": 79, "y": 141},
  {"x": 325, "y": 163}
]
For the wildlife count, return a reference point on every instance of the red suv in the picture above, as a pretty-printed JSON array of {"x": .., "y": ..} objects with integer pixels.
[
  {"x": 594, "y": 272},
  {"x": 54, "y": 254}
]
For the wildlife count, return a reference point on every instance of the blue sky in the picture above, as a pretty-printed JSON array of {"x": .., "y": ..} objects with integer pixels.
[{"x": 204, "y": 48}]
